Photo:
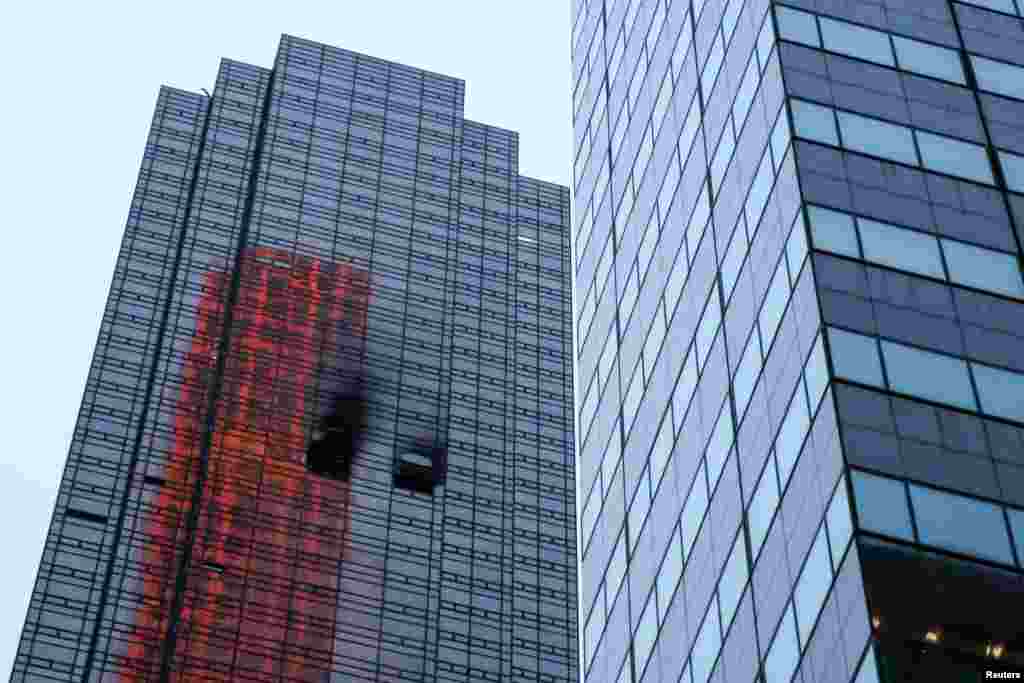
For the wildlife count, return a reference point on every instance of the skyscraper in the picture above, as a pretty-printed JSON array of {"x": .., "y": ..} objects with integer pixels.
[
  {"x": 799, "y": 337},
  {"x": 327, "y": 237}
]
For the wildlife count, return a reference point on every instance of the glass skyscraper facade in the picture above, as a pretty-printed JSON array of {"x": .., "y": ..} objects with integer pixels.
[
  {"x": 331, "y": 223},
  {"x": 799, "y": 326}
]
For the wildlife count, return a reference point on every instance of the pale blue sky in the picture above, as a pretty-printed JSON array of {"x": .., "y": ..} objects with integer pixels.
[{"x": 79, "y": 84}]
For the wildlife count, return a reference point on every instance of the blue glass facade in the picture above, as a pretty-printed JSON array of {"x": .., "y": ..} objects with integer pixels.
[
  {"x": 331, "y": 186},
  {"x": 797, "y": 251}
]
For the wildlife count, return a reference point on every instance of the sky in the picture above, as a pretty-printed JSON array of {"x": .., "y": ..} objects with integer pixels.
[{"x": 80, "y": 81}]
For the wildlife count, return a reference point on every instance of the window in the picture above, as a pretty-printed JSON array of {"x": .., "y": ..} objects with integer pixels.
[
  {"x": 780, "y": 663},
  {"x": 646, "y": 632},
  {"x": 954, "y": 157},
  {"x": 868, "y": 669},
  {"x": 1001, "y": 392},
  {"x": 685, "y": 387},
  {"x": 733, "y": 260},
  {"x": 711, "y": 67},
  {"x": 881, "y": 139},
  {"x": 671, "y": 572},
  {"x": 882, "y": 505},
  {"x": 900, "y": 248},
  {"x": 780, "y": 138},
  {"x": 927, "y": 59},
  {"x": 682, "y": 48},
  {"x": 698, "y": 223},
  {"x": 629, "y": 295},
  {"x": 633, "y": 396},
  {"x": 999, "y": 77},
  {"x": 983, "y": 268},
  {"x": 856, "y": 41},
  {"x": 708, "y": 328},
  {"x": 791, "y": 435},
  {"x": 930, "y": 375},
  {"x": 676, "y": 281},
  {"x": 693, "y": 511},
  {"x": 816, "y": 374},
  {"x": 745, "y": 94},
  {"x": 611, "y": 349},
  {"x": 619, "y": 133},
  {"x": 916, "y": 252},
  {"x": 590, "y": 512},
  {"x": 833, "y": 231},
  {"x": 668, "y": 188},
  {"x": 746, "y": 375},
  {"x": 796, "y": 249},
  {"x": 814, "y": 122},
  {"x": 706, "y": 646},
  {"x": 774, "y": 305},
  {"x": 595, "y": 626},
  {"x": 1013, "y": 170},
  {"x": 662, "y": 449},
  {"x": 961, "y": 524},
  {"x": 762, "y": 506},
  {"x": 647, "y": 244},
  {"x": 998, "y": 5},
  {"x": 734, "y": 578},
  {"x": 812, "y": 586},
  {"x": 1017, "y": 529},
  {"x": 757, "y": 197},
  {"x": 612, "y": 455},
  {"x": 723, "y": 156},
  {"x": 855, "y": 357},
  {"x": 719, "y": 444},
  {"x": 840, "y": 526},
  {"x": 797, "y": 26},
  {"x": 616, "y": 569}
]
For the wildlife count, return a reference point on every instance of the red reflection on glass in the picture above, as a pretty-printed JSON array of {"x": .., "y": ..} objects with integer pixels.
[{"x": 261, "y": 590}]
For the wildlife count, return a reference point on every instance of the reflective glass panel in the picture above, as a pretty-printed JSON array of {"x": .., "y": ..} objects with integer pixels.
[
  {"x": 833, "y": 231},
  {"x": 856, "y": 41},
  {"x": 998, "y": 5},
  {"x": 693, "y": 511},
  {"x": 791, "y": 435},
  {"x": 933, "y": 376},
  {"x": 1013, "y": 170},
  {"x": 882, "y": 505},
  {"x": 900, "y": 248},
  {"x": 671, "y": 572},
  {"x": 1000, "y": 77},
  {"x": 797, "y": 26},
  {"x": 762, "y": 506},
  {"x": 983, "y": 268},
  {"x": 855, "y": 357},
  {"x": 840, "y": 525},
  {"x": 955, "y": 157},
  {"x": 1001, "y": 392},
  {"x": 1017, "y": 529},
  {"x": 882, "y": 139},
  {"x": 816, "y": 373},
  {"x": 812, "y": 587},
  {"x": 734, "y": 578},
  {"x": 616, "y": 569},
  {"x": 960, "y": 524},
  {"x": 746, "y": 375},
  {"x": 781, "y": 661},
  {"x": 931, "y": 60},
  {"x": 868, "y": 668},
  {"x": 705, "y": 649},
  {"x": 814, "y": 122},
  {"x": 646, "y": 632}
]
